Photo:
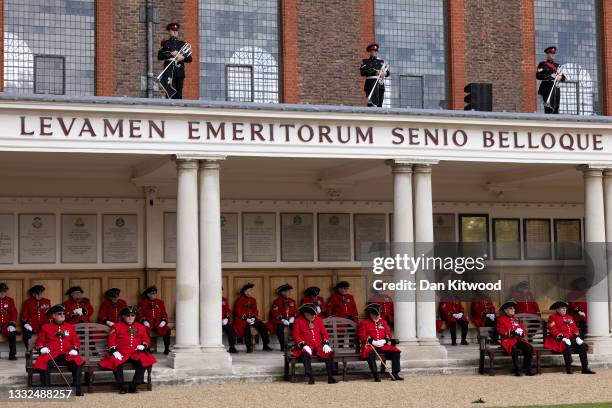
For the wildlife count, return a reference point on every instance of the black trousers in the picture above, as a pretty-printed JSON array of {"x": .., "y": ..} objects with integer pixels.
[
  {"x": 524, "y": 349},
  {"x": 178, "y": 85},
  {"x": 582, "y": 353},
  {"x": 582, "y": 326},
  {"x": 378, "y": 96},
  {"x": 45, "y": 376},
  {"x": 27, "y": 335},
  {"x": 228, "y": 329},
  {"x": 394, "y": 356},
  {"x": 555, "y": 101},
  {"x": 138, "y": 373},
  {"x": 166, "y": 339},
  {"x": 494, "y": 334},
  {"x": 306, "y": 359},
  {"x": 453, "y": 329},
  {"x": 280, "y": 334},
  {"x": 262, "y": 329},
  {"x": 12, "y": 341}
]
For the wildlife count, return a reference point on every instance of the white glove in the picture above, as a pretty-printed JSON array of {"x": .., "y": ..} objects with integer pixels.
[
  {"x": 140, "y": 347},
  {"x": 582, "y": 314},
  {"x": 327, "y": 349},
  {"x": 225, "y": 321},
  {"x": 147, "y": 323},
  {"x": 28, "y": 327},
  {"x": 579, "y": 341},
  {"x": 109, "y": 323},
  {"x": 162, "y": 323},
  {"x": 491, "y": 316},
  {"x": 567, "y": 341},
  {"x": 291, "y": 320},
  {"x": 73, "y": 352},
  {"x": 308, "y": 350},
  {"x": 318, "y": 309},
  {"x": 78, "y": 311},
  {"x": 285, "y": 322},
  {"x": 44, "y": 350},
  {"x": 519, "y": 331},
  {"x": 379, "y": 343},
  {"x": 459, "y": 315},
  {"x": 251, "y": 321},
  {"x": 117, "y": 355},
  {"x": 11, "y": 329}
]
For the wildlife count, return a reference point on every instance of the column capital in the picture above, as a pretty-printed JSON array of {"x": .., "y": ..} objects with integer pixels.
[
  {"x": 399, "y": 166},
  {"x": 186, "y": 164},
  {"x": 422, "y": 168},
  {"x": 207, "y": 164},
  {"x": 607, "y": 172},
  {"x": 593, "y": 170}
]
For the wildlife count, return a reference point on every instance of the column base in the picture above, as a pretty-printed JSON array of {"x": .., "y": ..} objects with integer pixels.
[
  {"x": 601, "y": 345},
  {"x": 423, "y": 353},
  {"x": 201, "y": 361}
]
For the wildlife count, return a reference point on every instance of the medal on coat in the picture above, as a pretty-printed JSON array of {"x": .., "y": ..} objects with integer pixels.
[
  {"x": 132, "y": 331},
  {"x": 310, "y": 325}
]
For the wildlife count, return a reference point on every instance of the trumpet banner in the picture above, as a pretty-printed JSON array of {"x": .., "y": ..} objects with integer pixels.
[{"x": 166, "y": 81}]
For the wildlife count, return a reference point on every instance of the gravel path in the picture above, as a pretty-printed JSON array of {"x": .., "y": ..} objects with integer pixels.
[{"x": 424, "y": 391}]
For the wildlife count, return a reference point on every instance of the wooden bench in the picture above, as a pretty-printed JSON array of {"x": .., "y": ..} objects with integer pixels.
[{"x": 93, "y": 337}]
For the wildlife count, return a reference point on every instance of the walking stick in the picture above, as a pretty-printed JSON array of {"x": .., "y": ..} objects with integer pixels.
[
  {"x": 383, "y": 362},
  {"x": 60, "y": 371}
]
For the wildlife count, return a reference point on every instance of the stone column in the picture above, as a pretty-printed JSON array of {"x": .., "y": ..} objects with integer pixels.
[
  {"x": 217, "y": 358},
  {"x": 402, "y": 243},
  {"x": 607, "y": 182},
  {"x": 594, "y": 239},
  {"x": 187, "y": 352}
]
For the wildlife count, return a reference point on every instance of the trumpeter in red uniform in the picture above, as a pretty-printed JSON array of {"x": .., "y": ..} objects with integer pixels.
[
  {"x": 525, "y": 301},
  {"x": 111, "y": 307},
  {"x": 564, "y": 336},
  {"x": 58, "y": 344},
  {"x": 513, "y": 338},
  {"x": 386, "y": 305},
  {"x": 34, "y": 313},
  {"x": 226, "y": 325},
  {"x": 153, "y": 315},
  {"x": 246, "y": 315},
  {"x": 311, "y": 295},
  {"x": 577, "y": 304},
  {"x": 341, "y": 303},
  {"x": 128, "y": 342},
  {"x": 283, "y": 313},
  {"x": 78, "y": 307},
  {"x": 452, "y": 313},
  {"x": 311, "y": 339},
  {"x": 375, "y": 337},
  {"x": 8, "y": 320},
  {"x": 483, "y": 314}
]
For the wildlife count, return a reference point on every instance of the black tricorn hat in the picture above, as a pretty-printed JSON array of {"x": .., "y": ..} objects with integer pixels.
[
  {"x": 558, "y": 304},
  {"x": 507, "y": 304},
  {"x": 308, "y": 308},
  {"x": 372, "y": 46},
  {"x": 74, "y": 289},
  {"x": 283, "y": 288},
  {"x": 373, "y": 308},
  {"x": 129, "y": 310},
  {"x": 112, "y": 292},
  {"x": 173, "y": 26},
  {"x": 249, "y": 285},
  {"x": 550, "y": 50},
  {"x": 36, "y": 289},
  {"x": 3, "y": 287},
  {"x": 150, "y": 289},
  {"x": 342, "y": 284},
  {"x": 312, "y": 291},
  {"x": 55, "y": 309}
]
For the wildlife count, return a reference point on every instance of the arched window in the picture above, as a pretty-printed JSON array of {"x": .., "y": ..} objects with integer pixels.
[
  {"x": 252, "y": 76},
  {"x": 18, "y": 64}
]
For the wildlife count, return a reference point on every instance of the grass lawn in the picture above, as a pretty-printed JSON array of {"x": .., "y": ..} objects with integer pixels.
[{"x": 590, "y": 405}]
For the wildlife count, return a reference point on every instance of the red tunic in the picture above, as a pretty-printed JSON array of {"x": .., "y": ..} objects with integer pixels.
[
  {"x": 342, "y": 306},
  {"x": 245, "y": 307},
  {"x": 368, "y": 329},
  {"x": 226, "y": 312},
  {"x": 34, "y": 312},
  {"x": 154, "y": 312},
  {"x": 479, "y": 311},
  {"x": 8, "y": 314},
  {"x": 505, "y": 326},
  {"x": 282, "y": 308},
  {"x": 125, "y": 338},
  {"x": 84, "y": 305},
  {"x": 525, "y": 303},
  {"x": 448, "y": 307},
  {"x": 59, "y": 339},
  {"x": 312, "y": 334},
  {"x": 560, "y": 326},
  {"x": 386, "y": 307},
  {"x": 317, "y": 301},
  {"x": 109, "y": 311}
]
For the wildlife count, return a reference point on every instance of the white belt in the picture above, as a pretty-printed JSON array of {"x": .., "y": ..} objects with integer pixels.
[{"x": 372, "y": 77}]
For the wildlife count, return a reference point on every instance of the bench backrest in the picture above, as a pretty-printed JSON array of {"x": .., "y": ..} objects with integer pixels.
[
  {"x": 533, "y": 324},
  {"x": 343, "y": 335}
]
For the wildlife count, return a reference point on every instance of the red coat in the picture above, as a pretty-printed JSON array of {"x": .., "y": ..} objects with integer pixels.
[
  {"x": 479, "y": 311},
  {"x": 125, "y": 338},
  {"x": 313, "y": 335},
  {"x": 505, "y": 326},
  {"x": 154, "y": 312},
  {"x": 226, "y": 312},
  {"x": 576, "y": 306},
  {"x": 86, "y": 307},
  {"x": 8, "y": 314},
  {"x": 282, "y": 308},
  {"x": 317, "y": 301},
  {"x": 59, "y": 339},
  {"x": 560, "y": 326},
  {"x": 448, "y": 307},
  {"x": 525, "y": 303},
  {"x": 386, "y": 307},
  {"x": 245, "y": 307},
  {"x": 342, "y": 306},
  {"x": 34, "y": 312},
  {"x": 368, "y": 329},
  {"x": 110, "y": 311}
]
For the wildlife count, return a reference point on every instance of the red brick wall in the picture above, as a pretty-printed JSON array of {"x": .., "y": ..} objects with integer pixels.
[
  {"x": 456, "y": 44},
  {"x": 606, "y": 46},
  {"x": 104, "y": 49},
  {"x": 192, "y": 36},
  {"x": 289, "y": 52},
  {"x": 529, "y": 59}
]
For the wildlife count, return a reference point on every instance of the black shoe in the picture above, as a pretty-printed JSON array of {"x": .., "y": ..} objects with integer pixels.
[
  {"x": 311, "y": 380},
  {"x": 13, "y": 357},
  {"x": 133, "y": 389},
  {"x": 464, "y": 343},
  {"x": 267, "y": 348},
  {"x": 123, "y": 389},
  {"x": 454, "y": 343},
  {"x": 568, "y": 370},
  {"x": 233, "y": 350},
  {"x": 78, "y": 392},
  {"x": 332, "y": 380},
  {"x": 167, "y": 351},
  {"x": 249, "y": 350},
  {"x": 529, "y": 373},
  {"x": 587, "y": 371},
  {"x": 397, "y": 377},
  {"x": 377, "y": 379}
]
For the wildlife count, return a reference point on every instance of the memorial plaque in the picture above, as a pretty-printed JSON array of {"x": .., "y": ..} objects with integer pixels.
[
  {"x": 537, "y": 239},
  {"x": 79, "y": 238},
  {"x": 169, "y": 237},
  {"x": 334, "y": 237},
  {"x": 120, "y": 238},
  {"x": 474, "y": 234},
  {"x": 297, "y": 239},
  {"x": 370, "y": 236},
  {"x": 229, "y": 237},
  {"x": 568, "y": 239},
  {"x": 259, "y": 237},
  {"x": 37, "y": 241},
  {"x": 7, "y": 240},
  {"x": 506, "y": 238}
]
